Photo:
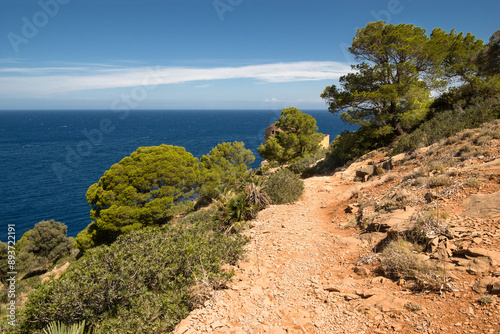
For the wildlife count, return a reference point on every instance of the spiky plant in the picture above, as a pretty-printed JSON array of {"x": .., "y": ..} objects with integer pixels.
[
  {"x": 256, "y": 196},
  {"x": 57, "y": 327}
]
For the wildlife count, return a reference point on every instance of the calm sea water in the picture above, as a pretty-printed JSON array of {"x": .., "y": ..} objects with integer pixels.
[{"x": 50, "y": 158}]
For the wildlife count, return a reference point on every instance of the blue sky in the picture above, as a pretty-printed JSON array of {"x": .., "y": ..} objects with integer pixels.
[{"x": 197, "y": 54}]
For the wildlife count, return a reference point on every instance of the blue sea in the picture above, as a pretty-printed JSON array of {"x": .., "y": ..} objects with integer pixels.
[{"x": 50, "y": 158}]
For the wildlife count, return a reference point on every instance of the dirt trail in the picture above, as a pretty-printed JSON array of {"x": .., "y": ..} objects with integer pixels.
[
  {"x": 295, "y": 256},
  {"x": 306, "y": 271}
]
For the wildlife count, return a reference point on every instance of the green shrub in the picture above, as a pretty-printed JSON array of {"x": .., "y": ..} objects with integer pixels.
[
  {"x": 4, "y": 265},
  {"x": 225, "y": 166},
  {"x": 284, "y": 187},
  {"x": 447, "y": 123},
  {"x": 44, "y": 244},
  {"x": 256, "y": 196},
  {"x": 233, "y": 208},
  {"x": 303, "y": 165},
  {"x": 296, "y": 138},
  {"x": 60, "y": 328},
  {"x": 350, "y": 145},
  {"x": 142, "y": 283}
]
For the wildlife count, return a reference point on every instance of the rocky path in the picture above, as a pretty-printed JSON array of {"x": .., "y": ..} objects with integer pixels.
[
  {"x": 308, "y": 270},
  {"x": 288, "y": 281}
]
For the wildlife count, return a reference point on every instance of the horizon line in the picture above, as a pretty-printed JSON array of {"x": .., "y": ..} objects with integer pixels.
[{"x": 162, "y": 109}]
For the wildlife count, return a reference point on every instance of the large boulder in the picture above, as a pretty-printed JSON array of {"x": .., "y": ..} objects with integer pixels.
[
  {"x": 364, "y": 172},
  {"x": 492, "y": 256},
  {"x": 394, "y": 223},
  {"x": 484, "y": 206}
]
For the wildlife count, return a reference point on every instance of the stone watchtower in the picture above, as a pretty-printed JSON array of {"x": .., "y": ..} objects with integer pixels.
[{"x": 270, "y": 132}]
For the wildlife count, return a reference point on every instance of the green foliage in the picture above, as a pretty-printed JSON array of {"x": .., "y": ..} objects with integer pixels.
[
  {"x": 45, "y": 243},
  {"x": 447, "y": 123},
  {"x": 390, "y": 90},
  {"x": 459, "y": 52},
  {"x": 60, "y": 328},
  {"x": 142, "y": 283},
  {"x": 284, "y": 187},
  {"x": 303, "y": 165},
  {"x": 348, "y": 146},
  {"x": 225, "y": 166},
  {"x": 4, "y": 265},
  {"x": 147, "y": 188},
  {"x": 233, "y": 208},
  {"x": 297, "y": 139},
  {"x": 488, "y": 59},
  {"x": 255, "y": 195}
]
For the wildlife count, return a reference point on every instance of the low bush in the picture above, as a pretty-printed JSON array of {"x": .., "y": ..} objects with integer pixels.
[
  {"x": 472, "y": 182},
  {"x": 439, "y": 181},
  {"x": 485, "y": 300},
  {"x": 413, "y": 175},
  {"x": 413, "y": 307},
  {"x": 482, "y": 140},
  {"x": 447, "y": 123},
  {"x": 350, "y": 145},
  {"x": 284, "y": 187},
  {"x": 303, "y": 165},
  {"x": 399, "y": 261},
  {"x": 429, "y": 224},
  {"x": 60, "y": 328},
  {"x": 236, "y": 207},
  {"x": 42, "y": 246},
  {"x": 140, "y": 283}
]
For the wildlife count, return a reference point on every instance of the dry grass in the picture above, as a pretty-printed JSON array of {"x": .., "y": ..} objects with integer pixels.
[
  {"x": 482, "y": 140},
  {"x": 413, "y": 307},
  {"x": 439, "y": 181},
  {"x": 400, "y": 260},
  {"x": 472, "y": 182},
  {"x": 485, "y": 300}
]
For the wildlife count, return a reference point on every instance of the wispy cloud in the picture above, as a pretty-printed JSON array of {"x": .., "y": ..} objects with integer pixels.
[
  {"x": 273, "y": 99},
  {"x": 47, "y": 81}
]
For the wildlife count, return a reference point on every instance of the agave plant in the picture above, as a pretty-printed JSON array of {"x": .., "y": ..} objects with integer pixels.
[
  {"x": 256, "y": 196},
  {"x": 57, "y": 327}
]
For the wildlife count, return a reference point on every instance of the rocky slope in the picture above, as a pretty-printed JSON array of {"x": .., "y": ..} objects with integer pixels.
[{"x": 314, "y": 266}]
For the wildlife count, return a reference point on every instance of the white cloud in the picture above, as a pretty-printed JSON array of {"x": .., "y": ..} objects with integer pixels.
[
  {"x": 273, "y": 99},
  {"x": 47, "y": 81}
]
